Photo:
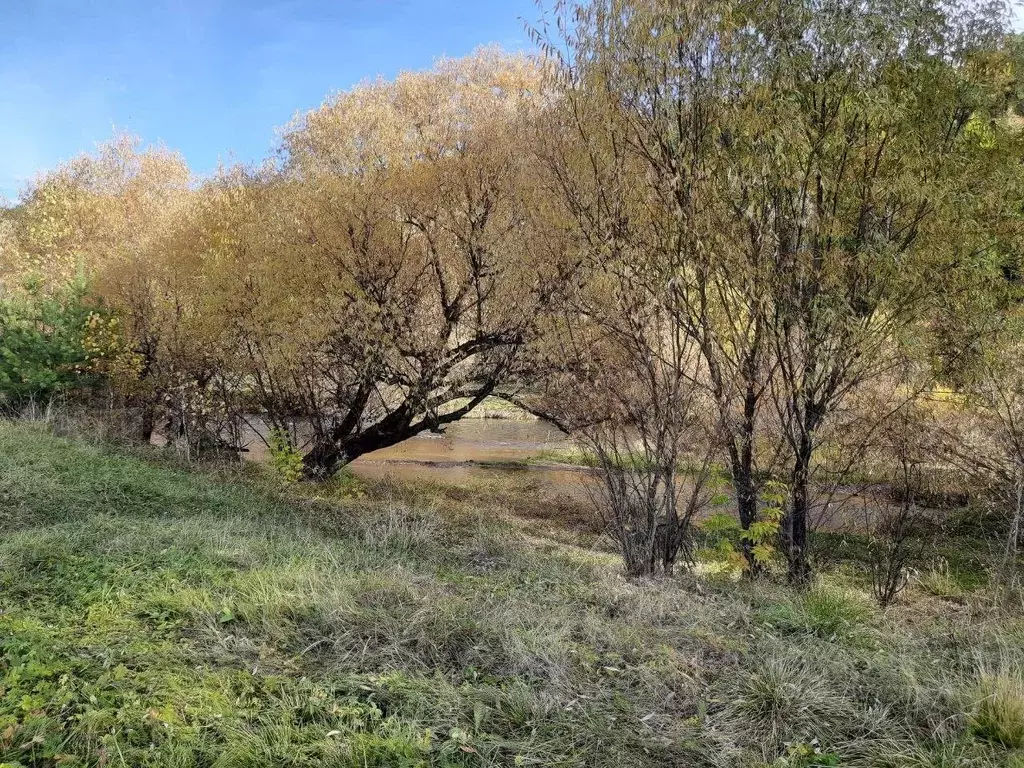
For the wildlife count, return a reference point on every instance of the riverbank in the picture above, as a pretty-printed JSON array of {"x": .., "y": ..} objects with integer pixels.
[{"x": 156, "y": 616}]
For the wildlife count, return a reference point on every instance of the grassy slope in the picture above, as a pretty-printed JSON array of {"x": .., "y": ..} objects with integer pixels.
[{"x": 165, "y": 618}]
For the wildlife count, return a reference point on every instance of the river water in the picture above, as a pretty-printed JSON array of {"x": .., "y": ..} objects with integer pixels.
[
  {"x": 482, "y": 449},
  {"x": 469, "y": 449}
]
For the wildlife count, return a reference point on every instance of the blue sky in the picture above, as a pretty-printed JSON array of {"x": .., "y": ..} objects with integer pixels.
[{"x": 210, "y": 78}]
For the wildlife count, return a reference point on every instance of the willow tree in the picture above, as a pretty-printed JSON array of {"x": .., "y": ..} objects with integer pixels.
[
  {"x": 93, "y": 210},
  {"x": 980, "y": 348},
  {"x": 399, "y": 239},
  {"x": 799, "y": 160},
  {"x": 661, "y": 102},
  {"x": 871, "y": 105},
  {"x": 636, "y": 155}
]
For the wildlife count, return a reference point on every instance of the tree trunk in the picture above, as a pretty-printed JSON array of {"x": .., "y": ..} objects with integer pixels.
[
  {"x": 344, "y": 444},
  {"x": 794, "y": 528},
  {"x": 328, "y": 456},
  {"x": 741, "y": 459},
  {"x": 147, "y": 425},
  {"x": 746, "y": 503},
  {"x": 741, "y": 454},
  {"x": 1013, "y": 539}
]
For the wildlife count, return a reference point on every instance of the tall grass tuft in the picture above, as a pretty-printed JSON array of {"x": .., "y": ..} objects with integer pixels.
[{"x": 997, "y": 714}]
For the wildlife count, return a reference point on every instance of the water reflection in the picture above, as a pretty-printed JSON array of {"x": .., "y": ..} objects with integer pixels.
[{"x": 470, "y": 449}]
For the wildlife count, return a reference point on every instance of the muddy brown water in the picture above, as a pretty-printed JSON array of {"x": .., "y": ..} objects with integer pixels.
[
  {"x": 468, "y": 450},
  {"x": 482, "y": 449},
  {"x": 477, "y": 449}
]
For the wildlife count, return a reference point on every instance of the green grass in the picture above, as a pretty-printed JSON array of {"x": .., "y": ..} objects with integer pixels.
[
  {"x": 826, "y": 611},
  {"x": 574, "y": 456},
  {"x": 493, "y": 408},
  {"x": 580, "y": 456},
  {"x": 154, "y": 616}
]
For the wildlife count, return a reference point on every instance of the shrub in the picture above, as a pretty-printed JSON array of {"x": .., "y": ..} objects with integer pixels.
[
  {"x": 801, "y": 755},
  {"x": 741, "y": 549},
  {"x": 285, "y": 458}
]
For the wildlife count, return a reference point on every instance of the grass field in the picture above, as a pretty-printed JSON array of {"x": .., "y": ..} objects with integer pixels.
[{"x": 154, "y": 616}]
